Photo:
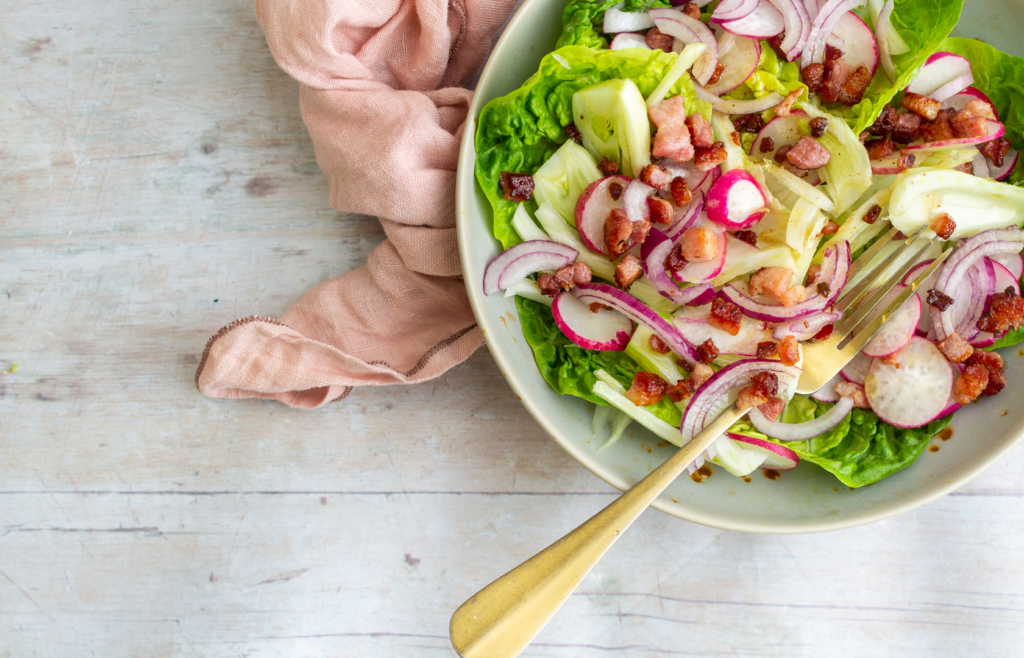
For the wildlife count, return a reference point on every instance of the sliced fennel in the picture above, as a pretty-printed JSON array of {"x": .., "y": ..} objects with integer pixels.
[
  {"x": 682, "y": 64},
  {"x": 805, "y": 223},
  {"x": 855, "y": 230},
  {"x": 612, "y": 392},
  {"x": 848, "y": 172},
  {"x": 615, "y": 419},
  {"x": 525, "y": 226},
  {"x": 563, "y": 177},
  {"x": 528, "y": 289},
  {"x": 735, "y": 459},
  {"x": 753, "y": 260},
  {"x": 949, "y": 158},
  {"x": 662, "y": 365},
  {"x": 798, "y": 186},
  {"x": 975, "y": 204},
  {"x": 723, "y": 128},
  {"x": 612, "y": 118}
]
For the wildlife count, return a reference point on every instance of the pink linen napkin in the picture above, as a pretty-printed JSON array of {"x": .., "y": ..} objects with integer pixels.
[{"x": 378, "y": 98}]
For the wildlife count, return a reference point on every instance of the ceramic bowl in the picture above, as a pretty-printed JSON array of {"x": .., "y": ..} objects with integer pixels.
[{"x": 806, "y": 499}]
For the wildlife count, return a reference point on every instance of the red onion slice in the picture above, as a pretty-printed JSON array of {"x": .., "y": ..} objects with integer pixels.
[
  {"x": 732, "y": 107},
  {"x": 616, "y": 20},
  {"x": 640, "y": 313},
  {"x": 515, "y": 263},
  {"x": 730, "y": 10},
  {"x": 794, "y": 15},
  {"x": 764, "y": 22},
  {"x": 703, "y": 272},
  {"x": 802, "y": 431},
  {"x": 835, "y": 269},
  {"x": 685, "y": 217},
  {"x": 689, "y": 30},
  {"x": 653, "y": 253},
  {"x": 827, "y": 393},
  {"x": 807, "y": 328},
  {"x": 821, "y": 29}
]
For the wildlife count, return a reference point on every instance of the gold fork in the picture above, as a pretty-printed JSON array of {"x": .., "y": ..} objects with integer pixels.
[{"x": 500, "y": 620}]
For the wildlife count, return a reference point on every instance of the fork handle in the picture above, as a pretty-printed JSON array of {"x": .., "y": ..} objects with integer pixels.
[{"x": 500, "y": 620}]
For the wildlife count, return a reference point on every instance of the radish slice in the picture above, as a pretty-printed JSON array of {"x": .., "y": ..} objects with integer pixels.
[
  {"x": 979, "y": 166},
  {"x": 626, "y": 40},
  {"x": 887, "y": 166},
  {"x": 916, "y": 391},
  {"x": 616, "y": 20},
  {"x": 1004, "y": 278},
  {"x": 959, "y": 101},
  {"x": 653, "y": 253},
  {"x": 736, "y": 201},
  {"x": 898, "y": 331},
  {"x": 685, "y": 217},
  {"x": 739, "y": 56},
  {"x": 689, "y": 30},
  {"x": 853, "y": 36},
  {"x": 995, "y": 129},
  {"x": 763, "y": 23},
  {"x": 856, "y": 370},
  {"x": 693, "y": 324},
  {"x": 784, "y": 131},
  {"x": 708, "y": 270},
  {"x": 828, "y": 17},
  {"x": 1009, "y": 162},
  {"x": 951, "y": 405},
  {"x": 515, "y": 263},
  {"x": 1012, "y": 262},
  {"x": 779, "y": 458},
  {"x": 606, "y": 331},
  {"x": 944, "y": 74},
  {"x": 731, "y": 10},
  {"x": 635, "y": 201},
  {"x": 593, "y": 208},
  {"x": 827, "y": 393},
  {"x": 802, "y": 431}
]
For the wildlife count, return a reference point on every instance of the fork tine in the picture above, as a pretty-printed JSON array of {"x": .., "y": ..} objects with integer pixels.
[
  {"x": 853, "y": 295},
  {"x": 854, "y": 344},
  {"x": 872, "y": 251}
]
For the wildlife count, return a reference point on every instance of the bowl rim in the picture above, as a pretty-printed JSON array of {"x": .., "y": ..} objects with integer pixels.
[{"x": 466, "y": 184}]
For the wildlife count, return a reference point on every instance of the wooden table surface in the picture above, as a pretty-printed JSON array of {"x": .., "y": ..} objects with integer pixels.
[{"x": 157, "y": 182}]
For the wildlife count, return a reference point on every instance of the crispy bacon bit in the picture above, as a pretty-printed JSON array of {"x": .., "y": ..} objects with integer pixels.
[
  {"x": 832, "y": 54},
  {"x": 995, "y": 150},
  {"x": 573, "y": 275},
  {"x": 814, "y": 76},
  {"x": 701, "y": 374},
  {"x": 679, "y": 391},
  {"x": 680, "y": 191},
  {"x": 608, "y": 167},
  {"x": 818, "y": 127},
  {"x": 955, "y": 348},
  {"x": 548, "y": 285},
  {"x": 873, "y": 214},
  {"x": 824, "y": 289},
  {"x": 1006, "y": 310},
  {"x": 658, "y": 40},
  {"x": 813, "y": 272},
  {"x": 701, "y": 133},
  {"x": 937, "y": 131},
  {"x": 863, "y": 136},
  {"x": 772, "y": 409},
  {"x": 641, "y": 230},
  {"x": 735, "y": 137},
  {"x": 789, "y": 350},
  {"x": 672, "y": 139},
  {"x": 990, "y": 360},
  {"x": 574, "y": 133},
  {"x": 617, "y": 229},
  {"x": 615, "y": 190},
  {"x": 774, "y": 282},
  {"x": 647, "y": 389},
  {"x": 786, "y": 106},
  {"x": 776, "y": 44},
  {"x": 655, "y": 176},
  {"x": 823, "y": 333},
  {"x": 749, "y": 398},
  {"x": 905, "y": 160},
  {"x": 967, "y": 168},
  {"x": 793, "y": 169},
  {"x": 657, "y": 346},
  {"x": 516, "y": 187},
  {"x": 879, "y": 148},
  {"x": 939, "y": 300},
  {"x": 833, "y": 79},
  {"x": 684, "y": 365},
  {"x": 692, "y": 10},
  {"x": 780, "y": 155},
  {"x": 767, "y": 144},
  {"x": 725, "y": 316},
  {"x": 854, "y": 86},
  {"x": 749, "y": 123},
  {"x": 943, "y": 225},
  {"x": 581, "y": 273},
  {"x": 707, "y": 351},
  {"x": 855, "y": 391},
  {"x": 698, "y": 245},
  {"x": 996, "y": 382},
  {"x": 970, "y": 384},
  {"x": 661, "y": 210},
  {"x": 920, "y": 104},
  {"x": 891, "y": 359},
  {"x": 598, "y": 306},
  {"x": 980, "y": 108},
  {"x": 830, "y": 227},
  {"x": 808, "y": 154},
  {"x": 906, "y": 127},
  {"x": 675, "y": 261},
  {"x": 899, "y": 236},
  {"x": 767, "y": 349},
  {"x": 627, "y": 271},
  {"x": 766, "y": 382},
  {"x": 885, "y": 123},
  {"x": 746, "y": 235},
  {"x": 965, "y": 126},
  {"x": 708, "y": 158},
  {"x": 719, "y": 70}
]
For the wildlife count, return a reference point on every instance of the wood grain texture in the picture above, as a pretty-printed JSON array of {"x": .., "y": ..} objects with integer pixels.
[{"x": 156, "y": 182}]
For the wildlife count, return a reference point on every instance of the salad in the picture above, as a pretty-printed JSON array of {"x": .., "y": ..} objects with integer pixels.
[{"x": 680, "y": 191}]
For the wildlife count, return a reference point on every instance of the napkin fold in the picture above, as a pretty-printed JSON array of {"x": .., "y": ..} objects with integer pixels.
[{"x": 379, "y": 97}]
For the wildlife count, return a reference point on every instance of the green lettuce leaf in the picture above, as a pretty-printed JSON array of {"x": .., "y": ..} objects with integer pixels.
[
  {"x": 923, "y": 24},
  {"x": 518, "y": 132},
  {"x": 861, "y": 449},
  {"x": 569, "y": 369},
  {"x": 771, "y": 75}
]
